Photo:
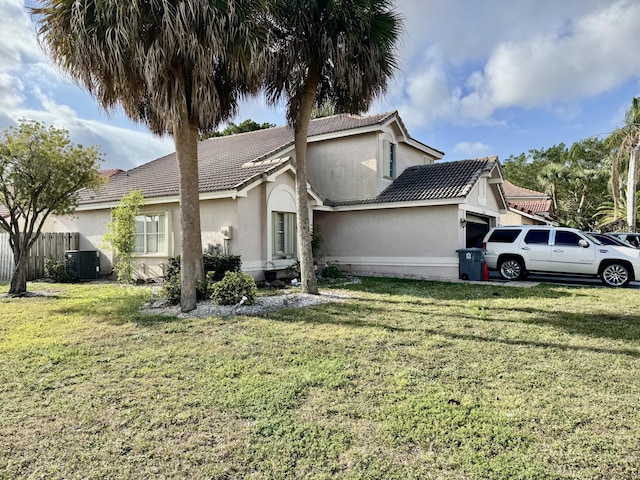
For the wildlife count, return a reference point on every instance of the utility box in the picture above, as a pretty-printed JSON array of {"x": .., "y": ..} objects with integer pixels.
[
  {"x": 471, "y": 261},
  {"x": 86, "y": 263}
]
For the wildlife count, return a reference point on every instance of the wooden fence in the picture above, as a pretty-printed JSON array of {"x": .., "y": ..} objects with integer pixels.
[{"x": 48, "y": 245}]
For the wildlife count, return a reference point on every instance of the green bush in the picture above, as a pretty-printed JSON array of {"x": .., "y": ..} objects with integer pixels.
[
  {"x": 58, "y": 271},
  {"x": 233, "y": 287},
  {"x": 172, "y": 289},
  {"x": 331, "y": 271},
  {"x": 214, "y": 263},
  {"x": 219, "y": 265}
]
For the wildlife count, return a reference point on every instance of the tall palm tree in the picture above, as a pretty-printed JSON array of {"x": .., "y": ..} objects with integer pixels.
[
  {"x": 625, "y": 143},
  {"x": 326, "y": 51},
  {"x": 176, "y": 65}
]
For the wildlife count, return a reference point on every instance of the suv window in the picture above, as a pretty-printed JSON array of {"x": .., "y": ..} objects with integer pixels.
[
  {"x": 567, "y": 238},
  {"x": 504, "y": 236},
  {"x": 537, "y": 236}
]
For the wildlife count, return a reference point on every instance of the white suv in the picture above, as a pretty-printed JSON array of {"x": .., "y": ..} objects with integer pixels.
[{"x": 516, "y": 250}]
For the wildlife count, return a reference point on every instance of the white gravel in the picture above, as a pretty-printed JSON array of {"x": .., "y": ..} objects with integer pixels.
[{"x": 263, "y": 305}]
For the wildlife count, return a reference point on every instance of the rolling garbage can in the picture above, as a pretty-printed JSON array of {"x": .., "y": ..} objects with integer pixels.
[{"x": 471, "y": 263}]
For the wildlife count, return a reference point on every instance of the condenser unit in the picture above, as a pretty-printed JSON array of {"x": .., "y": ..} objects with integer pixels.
[{"x": 86, "y": 263}]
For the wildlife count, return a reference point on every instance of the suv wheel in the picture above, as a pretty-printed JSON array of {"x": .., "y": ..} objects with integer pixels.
[
  {"x": 615, "y": 275},
  {"x": 511, "y": 268}
]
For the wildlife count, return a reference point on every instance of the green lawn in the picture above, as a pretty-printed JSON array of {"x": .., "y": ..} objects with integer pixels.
[{"x": 406, "y": 380}]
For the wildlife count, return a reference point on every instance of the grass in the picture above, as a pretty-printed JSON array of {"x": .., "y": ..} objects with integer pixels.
[{"x": 406, "y": 380}]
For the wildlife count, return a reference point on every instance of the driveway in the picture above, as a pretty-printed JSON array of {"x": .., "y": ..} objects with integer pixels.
[{"x": 561, "y": 280}]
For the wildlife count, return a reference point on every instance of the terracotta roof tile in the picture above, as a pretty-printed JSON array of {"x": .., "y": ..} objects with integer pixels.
[
  {"x": 532, "y": 207},
  {"x": 224, "y": 163},
  {"x": 432, "y": 182}
]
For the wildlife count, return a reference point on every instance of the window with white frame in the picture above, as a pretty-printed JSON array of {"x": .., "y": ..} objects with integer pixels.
[
  {"x": 390, "y": 159},
  {"x": 151, "y": 233},
  {"x": 284, "y": 234}
]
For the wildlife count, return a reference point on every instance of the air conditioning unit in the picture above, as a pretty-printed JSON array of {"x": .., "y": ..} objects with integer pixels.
[{"x": 86, "y": 263}]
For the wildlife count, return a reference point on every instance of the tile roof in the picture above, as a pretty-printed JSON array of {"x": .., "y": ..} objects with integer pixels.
[
  {"x": 225, "y": 163},
  {"x": 533, "y": 207},
  {"x": 4, "y": 211},
  {"x": 432, "y": 182},
  {"x": 110, "y": 172},
  {"x": 510, "y": 190}
]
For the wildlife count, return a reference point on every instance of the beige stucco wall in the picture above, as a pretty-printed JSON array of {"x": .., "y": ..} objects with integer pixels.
[
  {"x": 351, "y": 168},
  {"x": 345, "y": 168},
  {"x": 513, "y": 218},
  {"x": 247, "y": 216},
  {"x": 411, "y": 242}
]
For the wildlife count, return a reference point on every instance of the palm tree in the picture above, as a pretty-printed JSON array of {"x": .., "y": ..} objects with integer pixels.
[
  {"x": 610, "y": 216},
  {"x": 326, "y": 51},
  {"x": 625, "y": 143},
  {"x": 176, "y": 65},
  {"x": 550, "y": 177}
]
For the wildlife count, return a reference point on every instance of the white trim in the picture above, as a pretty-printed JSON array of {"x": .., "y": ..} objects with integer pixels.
[
  {"x": 395, "y": 261},
  {"x": 533, "y": 217},
  {"x": 272, "y": 207},
  {"x": 380, "y": 206}
]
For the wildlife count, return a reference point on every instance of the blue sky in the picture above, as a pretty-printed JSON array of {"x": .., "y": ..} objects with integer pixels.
[{"x": 496, "y": 77}]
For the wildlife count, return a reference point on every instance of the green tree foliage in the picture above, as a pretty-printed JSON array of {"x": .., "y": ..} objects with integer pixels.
[
  {"x": 40, "y": 171},
  {"x": 576, "y": 178},
  {"x": 623, "y": 142},
  {"x": 233, "y": 129},
  {"x": 121, "y": 234}
]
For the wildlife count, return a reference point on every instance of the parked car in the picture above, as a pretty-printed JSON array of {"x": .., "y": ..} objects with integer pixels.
[
  {"x": 516, "y": 250},
  {"x": 632, "y": 239},
  {"x": 608, "y": 239}
]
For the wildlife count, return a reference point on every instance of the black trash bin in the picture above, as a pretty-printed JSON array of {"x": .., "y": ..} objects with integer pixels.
[{"x": 471, "y": 261}]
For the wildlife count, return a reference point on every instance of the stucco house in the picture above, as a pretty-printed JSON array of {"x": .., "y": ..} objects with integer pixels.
[
  {"x": 526, "y": 207},
  {"x": 386, "y": 207}
]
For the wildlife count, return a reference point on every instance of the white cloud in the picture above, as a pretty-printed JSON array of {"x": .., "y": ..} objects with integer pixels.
[
  {"x": 473, "y": 149},
  {"x": 553, "y": 62},
  {"x": 10, "y": 91},
  {"x": 18, "y": 44}
]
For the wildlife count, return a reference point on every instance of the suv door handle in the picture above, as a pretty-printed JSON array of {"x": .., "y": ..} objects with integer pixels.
[
  {"x": 557, "y": 250},
  {"x": 526, "y": 248}
]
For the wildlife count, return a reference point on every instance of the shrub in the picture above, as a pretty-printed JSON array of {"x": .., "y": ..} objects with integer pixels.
[
  {"x": 172, "y": 289},
  {"x": 214, "y": 263},
  {"x": 233, "y": 287},
  {"x": 219, "y": 265},
  {"x": 58, "y": 271},
  {"x": 331, "y": 271}
]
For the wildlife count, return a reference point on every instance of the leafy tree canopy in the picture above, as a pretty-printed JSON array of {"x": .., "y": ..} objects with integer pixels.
[
  {"x": 40, "y": 171},
  {"x": 232, "y": 129},
  {"x": 575, "y": 178}
]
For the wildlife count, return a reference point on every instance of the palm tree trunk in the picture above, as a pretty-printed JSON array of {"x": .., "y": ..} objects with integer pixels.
[
  {"x": 305, "y": 254},
  {"x": 185, "y": 136},
  {"x": 631, "y": 189}
]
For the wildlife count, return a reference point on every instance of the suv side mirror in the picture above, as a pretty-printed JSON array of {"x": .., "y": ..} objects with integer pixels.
[{"x": 583, "y": 243}]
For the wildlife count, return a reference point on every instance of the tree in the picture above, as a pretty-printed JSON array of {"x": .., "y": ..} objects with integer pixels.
[
  {"x": 320, "y": 52},
  {"x": 625, "y": 143},
  {"x": 40, "y": 171},
  {"x": 233, "y": 129},
  {"x": 121, "y": 233},
  {"x": 177, "y": 66},
  {"x": 576, "y": 178}
]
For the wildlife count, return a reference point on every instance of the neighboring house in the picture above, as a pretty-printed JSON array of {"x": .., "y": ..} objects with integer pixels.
[
  {"x": 526, "y": 207},
  {"x": 384, "y": 206}
]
